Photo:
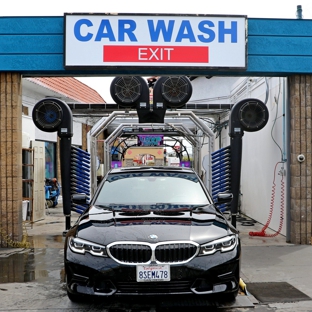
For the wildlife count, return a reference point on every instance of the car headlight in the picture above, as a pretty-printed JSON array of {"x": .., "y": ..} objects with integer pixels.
[
  {"x": 82, "y": 246},
  {"x": 224, "y": 244}
]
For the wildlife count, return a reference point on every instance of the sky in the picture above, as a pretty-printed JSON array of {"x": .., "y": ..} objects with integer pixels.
[{"x": 253, "y": 9}]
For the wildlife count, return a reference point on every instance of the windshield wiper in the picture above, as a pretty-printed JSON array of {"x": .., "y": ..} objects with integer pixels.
[
  {"x": 104, "y": 207},
  {"x": 208, "y": 208}
]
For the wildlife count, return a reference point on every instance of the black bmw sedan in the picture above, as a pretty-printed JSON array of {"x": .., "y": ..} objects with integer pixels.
[{"x": 152, "y": 231}]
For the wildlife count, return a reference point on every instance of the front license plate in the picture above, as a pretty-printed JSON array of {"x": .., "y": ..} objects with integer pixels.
[{"x": 153, "y": 273}]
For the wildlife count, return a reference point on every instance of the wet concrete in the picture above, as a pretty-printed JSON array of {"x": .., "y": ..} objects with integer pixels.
[
  {"x": 33, "y": 279},
  {"x": 30, "y": 265}
]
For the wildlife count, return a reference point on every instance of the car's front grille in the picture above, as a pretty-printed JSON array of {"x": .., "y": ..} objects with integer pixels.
[
  {"x": 131, "y": 253},
  {"x": 143, "y": 253},
  {"x": 177, "y": 252},
  {"x": 172, "y": 287}
]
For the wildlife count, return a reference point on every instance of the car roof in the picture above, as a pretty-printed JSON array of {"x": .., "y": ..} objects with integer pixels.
[{"x": 151, "y": 168}]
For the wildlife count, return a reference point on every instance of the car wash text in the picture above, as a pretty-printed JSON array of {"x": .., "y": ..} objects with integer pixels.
[
  {"x": 185, "y": 32},
  {"x": 155, "y": 39}
]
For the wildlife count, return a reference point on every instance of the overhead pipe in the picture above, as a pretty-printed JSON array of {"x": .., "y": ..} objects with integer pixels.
[
  {"x": 299, "y": 12},
  {"x": 104, "y": 122}
]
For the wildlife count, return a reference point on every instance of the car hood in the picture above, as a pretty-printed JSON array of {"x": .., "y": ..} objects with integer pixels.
[{"x": 105, "y": 226}]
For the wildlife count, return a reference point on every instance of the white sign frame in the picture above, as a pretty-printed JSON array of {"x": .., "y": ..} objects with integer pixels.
[{"x": 155, "y": 40}]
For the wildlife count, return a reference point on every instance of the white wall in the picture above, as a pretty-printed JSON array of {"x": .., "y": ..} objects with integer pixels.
[
  {"x": 45, "y": 136},
  {"x": 260, "y": 156},
  {"x": 28, "y": 127},
  {"x": 262, "y": 150},
  {"x": 77, "y": 130},
  {"x": 215, "y": 90},
  {"x": 36, "y": 134}
]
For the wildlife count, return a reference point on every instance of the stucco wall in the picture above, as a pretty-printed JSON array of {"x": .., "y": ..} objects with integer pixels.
[
  {"x": 10, "y": 158},
  {"x": 300, "y": 105}
]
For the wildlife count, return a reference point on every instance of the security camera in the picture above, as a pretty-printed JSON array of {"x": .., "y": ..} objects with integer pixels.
[{"x": 301, "y": 158}]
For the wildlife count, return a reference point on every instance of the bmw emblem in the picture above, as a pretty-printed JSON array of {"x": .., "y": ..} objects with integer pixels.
[{"x": 153, "y": 236}]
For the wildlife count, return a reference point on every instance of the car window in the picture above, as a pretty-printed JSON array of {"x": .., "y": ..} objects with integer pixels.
[{"x": 152, "y": 188}]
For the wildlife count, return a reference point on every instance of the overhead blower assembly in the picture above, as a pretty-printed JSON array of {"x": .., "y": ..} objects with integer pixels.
[{"x": 168, "y": 92}]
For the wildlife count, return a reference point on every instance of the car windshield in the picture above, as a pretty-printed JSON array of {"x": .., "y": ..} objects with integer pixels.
[{"x": 152, "y": 188}]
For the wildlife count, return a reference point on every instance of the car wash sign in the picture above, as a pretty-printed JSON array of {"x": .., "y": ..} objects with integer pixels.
[{"x": 99, "y": 40}]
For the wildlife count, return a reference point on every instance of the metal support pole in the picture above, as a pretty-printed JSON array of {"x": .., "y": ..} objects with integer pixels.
[
  {"x": 65, "y": 152},
  {"x": 236, "y": 163}
]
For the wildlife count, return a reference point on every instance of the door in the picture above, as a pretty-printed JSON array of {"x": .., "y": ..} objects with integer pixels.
[{"x": 38, "y": 212}]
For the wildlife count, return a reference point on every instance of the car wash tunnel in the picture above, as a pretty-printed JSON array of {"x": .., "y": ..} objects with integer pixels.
[
  {"x": 130, "y": 92},
  {"x": 232, "y": 129}
]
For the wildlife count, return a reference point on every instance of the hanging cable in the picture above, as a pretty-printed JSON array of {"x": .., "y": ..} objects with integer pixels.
[
  {"x": 276, "y": 99},
  {"x": 262, "y": 232},
  {"x": 266, "y": 91},
  {"x": 282, "y": 203}
]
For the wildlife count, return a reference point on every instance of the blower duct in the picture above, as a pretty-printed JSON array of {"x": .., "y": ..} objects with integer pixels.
[
  {"x": 248, "y": 115},
  {"x": 132, "y": 92},
  {"x": 253, "y": 115},
  {"x": 170, "y": 92},
  {"x": 173, "y": 91},
  {"x": 47, "y": 115},
  {"x": 129, "y": 91},
  {"x": 52, "y": 115}
]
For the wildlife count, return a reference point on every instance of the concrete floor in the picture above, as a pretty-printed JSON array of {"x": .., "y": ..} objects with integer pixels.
[{"x": 40, "y": 285}]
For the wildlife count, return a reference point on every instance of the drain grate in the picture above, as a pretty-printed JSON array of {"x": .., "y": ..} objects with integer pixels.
[{"x": 276, "y": 292}]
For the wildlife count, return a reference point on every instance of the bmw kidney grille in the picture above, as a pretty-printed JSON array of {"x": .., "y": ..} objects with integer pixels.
[{"x": 139, "y": 253}]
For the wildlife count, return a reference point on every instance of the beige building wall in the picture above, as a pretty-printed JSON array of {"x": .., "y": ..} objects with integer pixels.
[
  {"x": 300, "y": 172},
  {"x": 10, "y": 158}
]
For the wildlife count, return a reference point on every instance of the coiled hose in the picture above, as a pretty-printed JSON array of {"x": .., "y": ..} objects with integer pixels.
[{"x": 262, "y": 232}]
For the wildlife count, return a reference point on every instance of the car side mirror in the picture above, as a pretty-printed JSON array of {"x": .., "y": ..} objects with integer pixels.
[
  {"x": 223, "y": 198},
  {"x": 80, "y": 198}
]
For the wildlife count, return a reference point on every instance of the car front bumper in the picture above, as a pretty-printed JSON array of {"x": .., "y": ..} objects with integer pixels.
[{"x": 213, "y": 274}]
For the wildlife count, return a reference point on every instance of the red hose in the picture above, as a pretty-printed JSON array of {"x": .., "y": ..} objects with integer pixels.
[{"x": 262, "y": 232}]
